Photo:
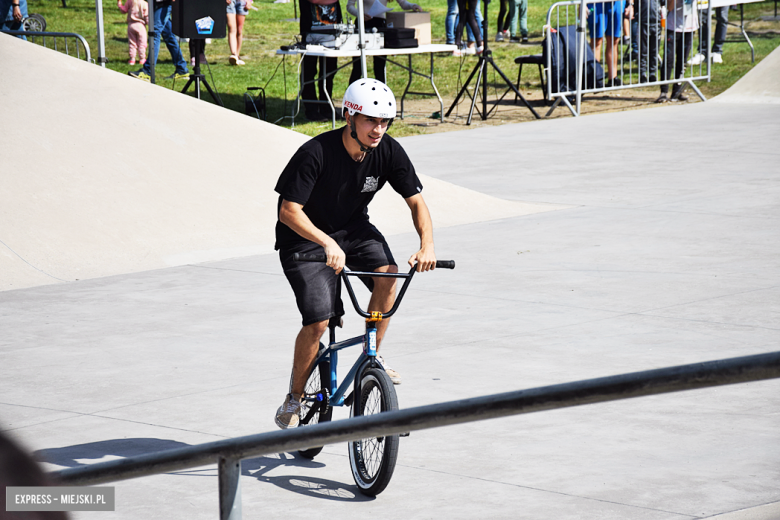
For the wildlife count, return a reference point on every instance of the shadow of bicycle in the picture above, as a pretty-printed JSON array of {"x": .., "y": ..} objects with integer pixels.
[{"x": 260, "y": 468}]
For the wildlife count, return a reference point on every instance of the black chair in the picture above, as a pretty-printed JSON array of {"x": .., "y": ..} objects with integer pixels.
[{"x": 534, "y": 59}]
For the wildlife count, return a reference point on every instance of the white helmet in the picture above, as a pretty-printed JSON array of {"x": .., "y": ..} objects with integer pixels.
[{"x": 369, "y": 97}]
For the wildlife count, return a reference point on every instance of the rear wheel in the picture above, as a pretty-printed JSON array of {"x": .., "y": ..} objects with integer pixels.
[
  {"x": 315, "y": 407},
  {"x": 373, "y": 460}
]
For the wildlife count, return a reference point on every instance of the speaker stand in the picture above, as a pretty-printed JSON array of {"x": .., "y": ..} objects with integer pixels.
[
  {"x": 197, "y": 78},
  {"x": 481, "y": 70}
]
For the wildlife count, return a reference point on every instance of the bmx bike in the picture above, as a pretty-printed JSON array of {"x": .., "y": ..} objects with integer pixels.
[{"x": 372, "y": 460}]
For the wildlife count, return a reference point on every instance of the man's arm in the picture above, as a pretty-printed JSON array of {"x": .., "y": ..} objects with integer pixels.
[
  {"x": 425, "y": 257},
  {"x": 291, "y": 215}
]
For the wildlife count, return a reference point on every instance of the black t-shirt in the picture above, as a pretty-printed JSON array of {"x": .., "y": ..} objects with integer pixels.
[
  {"x": 334, "y": 189},
  {"x": 313, "y": 15}
]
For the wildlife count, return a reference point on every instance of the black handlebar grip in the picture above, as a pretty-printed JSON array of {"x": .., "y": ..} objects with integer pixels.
[
  {"x": 310, "y": 257},
  {"x": 445, "y": 264}
]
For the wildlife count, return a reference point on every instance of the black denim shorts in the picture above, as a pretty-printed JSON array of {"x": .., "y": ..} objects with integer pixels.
[{"x": 316, "y": 285}]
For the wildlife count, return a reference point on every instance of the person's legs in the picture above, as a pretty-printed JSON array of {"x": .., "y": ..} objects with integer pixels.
[
  {"x": 614, "y": 32},
  {"x": 511, "y": 20},
  {"x": 478, "y": 17},
  {"x": 240, "y": 19},
  {"x": 668, "y": 63},
  {"x": 685, "y": 43},
  {"x": 722, "y": 17},
  {"x": 173, "y": 43},
  {"x": 232, "y": 30},
  {"x": 132, "y": 43},
  {"x": 502, "y": 13},
  {"x": 472, "y": 20},
  {"x": 451, "y": 20},
  {"x": 309, "y": 90},
  {"x": 142, "y": 43},
  {"x": 522, "y": 13},
  {"x": 307, "y": 344},
  {"x": 469, "y": 32},
  {"x": 158, "y": 27},
  {"x": 704, "y": 31},
  {"x": 611, "y": 54},
  {"x": 461, "y": 22}
]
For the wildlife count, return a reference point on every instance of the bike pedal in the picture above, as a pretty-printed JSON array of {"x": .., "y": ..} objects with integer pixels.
[{"x": 404, "y": 434}]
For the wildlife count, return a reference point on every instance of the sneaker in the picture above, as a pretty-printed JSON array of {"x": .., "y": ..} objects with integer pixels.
[
  {"x": 524, "y": 39},
  {"x": 470, "y": 51},
  {"x": 140, "y": 74},
  {"x": 288, "y": 415},
  {"x": 131, "y": 61},
  {"x": 233, "y": 59},
  {"x": 717, "y": 57},
  {"x": 457, "y": 53},
  {"x": 514, "y": 39},
  {"x": 142, "y": 62},
  {"x": 663, "y": 98},
  {"x": 480, "y": 50},
  {"x": 395, "y": 377},
  {"x": 697, "y": 59},
  {"x": 240, "y": 62},
  {"x": 178, "y": 75},
  {"x": 500, "y": 36}
]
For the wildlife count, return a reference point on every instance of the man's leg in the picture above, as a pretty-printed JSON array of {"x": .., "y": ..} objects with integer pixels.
[
  {"x": 158, "y": 27},
  {"x": 722, "y": 16},
  {"x": 306, "y": 347},
  {"x": 172, "y": 42}
]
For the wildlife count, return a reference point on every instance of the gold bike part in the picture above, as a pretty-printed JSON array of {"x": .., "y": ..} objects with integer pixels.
[{"x": 375, "y": 316}]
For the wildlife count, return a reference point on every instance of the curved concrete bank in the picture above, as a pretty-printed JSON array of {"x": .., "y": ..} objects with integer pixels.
[
  {"x": 759, "y": 86},
  {"x": 105, "y": 174}
]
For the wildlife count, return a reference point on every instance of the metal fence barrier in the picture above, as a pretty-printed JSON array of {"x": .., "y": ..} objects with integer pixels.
[
  {"x": 640, "y": 46},
  {"x": 58, "y": 41},
  {"x": 228, "y": 453}
]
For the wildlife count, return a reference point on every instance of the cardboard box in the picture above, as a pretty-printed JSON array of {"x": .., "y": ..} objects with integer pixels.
[{"x": 420, "y": 22}]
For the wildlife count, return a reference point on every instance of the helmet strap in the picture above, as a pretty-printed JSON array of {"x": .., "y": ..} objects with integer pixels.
[{"x": 363, "y": 148}]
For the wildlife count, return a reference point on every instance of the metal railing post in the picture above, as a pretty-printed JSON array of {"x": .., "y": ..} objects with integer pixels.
[{"x": 229, "y": 489}]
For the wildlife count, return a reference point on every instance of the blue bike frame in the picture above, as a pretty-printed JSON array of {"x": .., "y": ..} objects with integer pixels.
[{"x": 368, "y": 340}]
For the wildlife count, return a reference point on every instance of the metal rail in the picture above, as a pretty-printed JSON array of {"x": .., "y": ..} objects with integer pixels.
[
  {"x": 229, "y": 452},
  {"x": 55, "y": 35}
]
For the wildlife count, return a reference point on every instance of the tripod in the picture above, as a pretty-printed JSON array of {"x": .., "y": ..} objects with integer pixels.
[
  {"x": 198, "y": 78},
  {"x": 484, "y": 60}
]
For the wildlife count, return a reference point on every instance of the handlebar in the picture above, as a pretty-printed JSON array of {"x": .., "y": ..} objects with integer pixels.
[{"x": 320, "y": 257}]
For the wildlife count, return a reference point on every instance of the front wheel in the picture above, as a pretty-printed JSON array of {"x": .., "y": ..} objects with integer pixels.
[
  {"x": 315, "y": 407},
  {"x": 373, "y": 460}
]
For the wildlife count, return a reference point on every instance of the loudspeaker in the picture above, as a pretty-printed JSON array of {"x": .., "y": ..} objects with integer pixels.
[{"x": 199, "y": 19}]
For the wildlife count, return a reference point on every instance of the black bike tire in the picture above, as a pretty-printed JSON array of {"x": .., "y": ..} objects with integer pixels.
[
  {"x": 319, "y": 380},
  {"x": 371, "y": 475}
]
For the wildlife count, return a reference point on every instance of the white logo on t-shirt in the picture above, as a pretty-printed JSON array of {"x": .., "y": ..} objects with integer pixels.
[{"x": 372, "y": 184}]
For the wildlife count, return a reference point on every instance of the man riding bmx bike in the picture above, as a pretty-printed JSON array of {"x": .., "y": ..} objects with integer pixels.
[{"x": 324, "y": 192}]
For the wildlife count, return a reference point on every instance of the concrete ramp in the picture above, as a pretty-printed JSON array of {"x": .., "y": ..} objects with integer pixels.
[
  {"x": 104, "y": 174},
  {"x": 759, "y": 86}
]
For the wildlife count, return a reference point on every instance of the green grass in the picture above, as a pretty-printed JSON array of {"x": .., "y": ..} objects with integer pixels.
[{"x": 272, "y": 26}]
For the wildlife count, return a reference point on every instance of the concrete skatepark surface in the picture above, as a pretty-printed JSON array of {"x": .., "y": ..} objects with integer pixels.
[{"x": 595, "y": 246}]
